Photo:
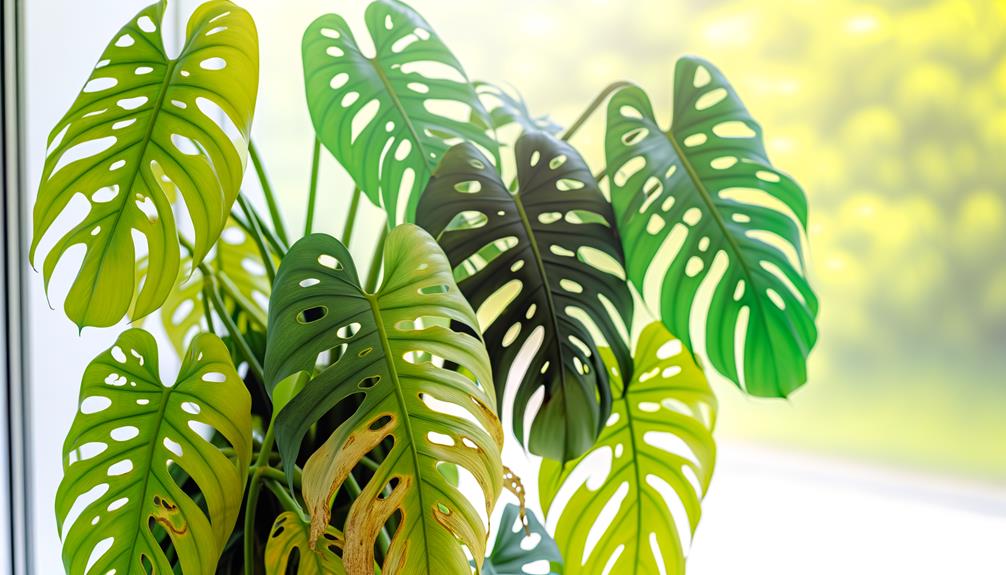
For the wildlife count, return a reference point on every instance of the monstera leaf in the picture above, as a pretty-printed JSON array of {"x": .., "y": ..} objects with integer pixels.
[
  {"x": 515, "y": 549},
  {"x": 236, "y": 262},
  {"x": 143, "y": 129},
  {"x": 389, "y": 349},
  {"x": 507, "y": 109},
  {"x": 133, "y": 440},
  {"x": 541, "y": 267},
  {"x": 656, "y": 454},
  {"x": 390, "y": 117},
  {"x": 712, "y": 232},
  {"x": 289, "y": 534}
]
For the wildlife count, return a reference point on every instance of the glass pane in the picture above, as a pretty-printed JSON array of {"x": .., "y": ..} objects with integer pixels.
[{"x": 64, "y": 41}]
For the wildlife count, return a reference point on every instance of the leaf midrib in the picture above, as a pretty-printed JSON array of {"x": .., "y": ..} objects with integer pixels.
[
  {"x": 635, "y": 468},
  {"x": 375, "y": 307},
  {"x": 540, "y": 263},
  {"x": 734, "y": 246},
  {"x": 127, "y": 192},
  {"x": 165, "y": 394},
  {"x": 375, "y": 63}
]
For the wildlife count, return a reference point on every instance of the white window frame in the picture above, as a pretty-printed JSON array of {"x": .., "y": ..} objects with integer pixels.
[{"x": 15, "y": 468}]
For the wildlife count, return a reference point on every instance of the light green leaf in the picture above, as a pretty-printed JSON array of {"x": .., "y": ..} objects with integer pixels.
[
  {"x": 136, "y": 443},
  {"x": 236, "y": 262},
  {"x": 543, "y": 268},
  {"x": 389, "y": 348},
  {"x": 506, "y": 109},
  {"x": 289, "y": 533},
  {"x": 655, "y": 454},
  {"x": 515, "y": 548},
  {"x": 144, "y": 129},
  {"x": 388, "y": 118},
  {"x": 712, "y": 231}
]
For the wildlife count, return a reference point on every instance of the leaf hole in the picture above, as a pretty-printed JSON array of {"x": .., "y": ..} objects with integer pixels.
[
  {"x": 329, "y": 261},
  {"x": 380, "y": 422},
  {"x": 312, "y": 314}
]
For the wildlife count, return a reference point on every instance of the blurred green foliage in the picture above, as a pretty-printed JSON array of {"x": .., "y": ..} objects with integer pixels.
[{"x": 892, "y": 115}]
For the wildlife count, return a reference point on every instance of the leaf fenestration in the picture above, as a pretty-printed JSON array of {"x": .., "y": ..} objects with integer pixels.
[
  {"x": 543, "y": 267},
  {"x": 135, "y": 444},
  {"x": 144, "y": 131},
  {"x": 392, "y": 347},
  {"x": 712, "y": 232},
  {"x": 511, "y": 555},
  {"x": 656, "y": 449},
  {"x": 289, "y": 534},
  {"x": 388, "y": 118}
]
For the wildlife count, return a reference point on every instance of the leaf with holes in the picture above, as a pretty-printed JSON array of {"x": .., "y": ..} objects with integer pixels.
[
  {"x": 655, "y": 457},
  {"x": 388, "y": 349},
  {"x": 507, "y": 109},
  {"x": 144, "y": 129},
  {"x": 543, "y": 267},
  {"x": 712, "y": 231},
  {"x": 389, "y": 118},
  {"x": 236, "y": 262},
  {"x": 291, "y": 535},
  {"x": 514, "y": 549},
  {"x": 136, "y": 443}
]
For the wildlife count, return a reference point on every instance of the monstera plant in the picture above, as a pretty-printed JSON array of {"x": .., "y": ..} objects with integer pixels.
[{"x": 324, "y": 422}]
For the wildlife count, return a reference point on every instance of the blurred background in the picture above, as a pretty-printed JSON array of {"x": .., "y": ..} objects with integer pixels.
[{"x": 891, "y": 115}]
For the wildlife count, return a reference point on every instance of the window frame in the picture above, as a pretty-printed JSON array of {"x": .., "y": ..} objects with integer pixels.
[{"x": 15, "y": 468}]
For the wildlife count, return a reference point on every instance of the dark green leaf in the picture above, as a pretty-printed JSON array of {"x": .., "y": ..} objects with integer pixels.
[
  {"x": 390, "y": 348},
  {"x": 712, "y": 231},
  {"x": 536, "y": 265}
]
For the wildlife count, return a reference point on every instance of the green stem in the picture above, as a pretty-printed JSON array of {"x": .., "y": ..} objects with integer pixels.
[
  {"x": 206, "y": 306},
  {"x": 270, "y": 268},
  {"x": 594, "y": 105},
  {"x": 254, "y": 487},
  {"x": 270, "y": 199},
  {"x": 278, "y": 247},
  {"x": 285, "y": 499},
  {"x": 262, "y": 461},
  {"x": 312, "y": 192},
  {"x": 375, "y": 263},
  {"x": 232, "y": 328},
  {"x": 251, "y": 503},
  {"x": 369, "y": 463},
  {"x": 354, "y": 205},
  {"x": 270, "y": 472},
  {"x": 352, "y": 486}
]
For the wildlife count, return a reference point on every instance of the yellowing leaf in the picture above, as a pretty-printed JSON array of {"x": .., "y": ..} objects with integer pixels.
[
  {"x": 656, "y": 453},
  {"x": 144, "y": 130},
  {"x": 390, "y": 347}
]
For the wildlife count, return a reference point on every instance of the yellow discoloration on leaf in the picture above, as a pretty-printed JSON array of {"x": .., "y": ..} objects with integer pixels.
[
  {"x": 289, "y": 532},
  {"x": 150, "y": 430},
  {"x": 513, "y": 484},
  {"x": 434, "y": 416}
]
